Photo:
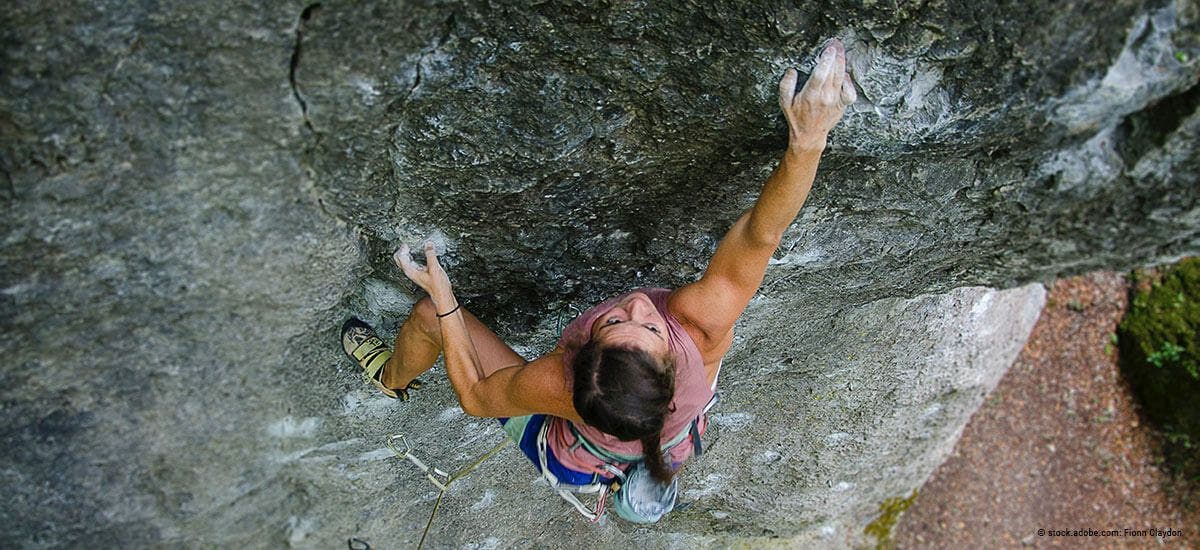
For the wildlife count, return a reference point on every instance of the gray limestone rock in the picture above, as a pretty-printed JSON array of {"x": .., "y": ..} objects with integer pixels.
[{"x": 196, "y": 195}]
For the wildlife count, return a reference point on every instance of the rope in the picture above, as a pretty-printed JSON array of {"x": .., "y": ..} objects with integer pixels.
[{"x": 432, "y": 474}]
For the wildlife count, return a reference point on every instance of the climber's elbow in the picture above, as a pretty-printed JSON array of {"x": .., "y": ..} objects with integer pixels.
[{"x": 471, "y": 404}]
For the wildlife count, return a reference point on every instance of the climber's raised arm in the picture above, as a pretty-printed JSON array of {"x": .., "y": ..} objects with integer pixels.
[
  {"x": 624, "y": 388},
  {"x": 736, "y": 270}
]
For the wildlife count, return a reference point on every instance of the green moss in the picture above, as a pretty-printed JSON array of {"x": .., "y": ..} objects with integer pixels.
[
  {"x": 889, "y": 513},
  {"x": 1160, "y": 356}
]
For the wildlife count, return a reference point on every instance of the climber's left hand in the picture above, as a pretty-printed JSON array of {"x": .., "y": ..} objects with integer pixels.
[{"x": 430, "y": 277}]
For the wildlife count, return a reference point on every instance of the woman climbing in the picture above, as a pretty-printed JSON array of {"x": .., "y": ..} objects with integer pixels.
[{"x": 630, "y": 378}]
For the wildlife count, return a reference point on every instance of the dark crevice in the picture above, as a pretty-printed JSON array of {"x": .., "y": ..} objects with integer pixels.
[
  {"x": 1149, "y": 129},
  {"x": 295, "y": 63},
  {"x": 417, "y": 80},
  {"x": 447, "y": 29},
  {"x": 309, "y": 175},
  {"x": 6, "y": 183}
]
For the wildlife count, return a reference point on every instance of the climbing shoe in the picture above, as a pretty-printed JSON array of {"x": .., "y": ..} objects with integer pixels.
[{"x": 366, "y": 348}]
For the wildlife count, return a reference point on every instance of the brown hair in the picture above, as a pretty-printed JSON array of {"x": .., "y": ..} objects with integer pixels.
[{"x": 626, "y": 392}]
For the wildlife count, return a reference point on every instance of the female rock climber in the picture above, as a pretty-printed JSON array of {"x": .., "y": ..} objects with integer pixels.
[{"x": 630, "y": 378}]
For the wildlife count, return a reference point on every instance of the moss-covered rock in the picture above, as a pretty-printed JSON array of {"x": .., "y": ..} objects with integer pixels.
[
  {"x": 889, "y": 513},
  {"x": 1160, "y": 354}
]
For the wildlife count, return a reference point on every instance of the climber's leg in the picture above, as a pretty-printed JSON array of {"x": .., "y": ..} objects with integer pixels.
[{"x": 419, "y": 342}]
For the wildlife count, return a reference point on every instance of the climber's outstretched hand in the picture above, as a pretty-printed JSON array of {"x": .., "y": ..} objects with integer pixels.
[
  {"x": 813, "y": 111},
  {"x": 430, "y": 277}
]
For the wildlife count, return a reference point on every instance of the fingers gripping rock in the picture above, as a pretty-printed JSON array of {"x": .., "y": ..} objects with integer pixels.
[
  {"x": 837, "y": 55},
  {"x": 849, "y": 95},
  {"x": 430, "y": 277},
  {"x": 787, "y": 88},
  {"x": 814, "y": 110},
  {"x": 430, "y": 254},
  {"x": 820, "y": 72},
  {"x": 402, "y": 258}
]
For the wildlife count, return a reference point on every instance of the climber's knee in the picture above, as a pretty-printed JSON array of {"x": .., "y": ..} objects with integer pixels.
[{"x": 424, "y": 314}]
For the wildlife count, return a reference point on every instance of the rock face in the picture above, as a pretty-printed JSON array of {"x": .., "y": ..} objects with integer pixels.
[{"x": 197, "y": 195}]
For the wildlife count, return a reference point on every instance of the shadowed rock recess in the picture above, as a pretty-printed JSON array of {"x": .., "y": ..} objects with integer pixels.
[{"x": 197, "y": 195}]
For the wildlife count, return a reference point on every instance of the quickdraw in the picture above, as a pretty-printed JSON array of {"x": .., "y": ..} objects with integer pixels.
[{"x": 437, "y": 477}]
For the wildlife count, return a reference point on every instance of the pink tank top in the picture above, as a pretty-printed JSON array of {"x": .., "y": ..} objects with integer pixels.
[{"x": 692, "y": 392}]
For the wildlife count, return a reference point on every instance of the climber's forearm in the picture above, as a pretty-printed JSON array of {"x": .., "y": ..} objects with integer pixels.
[
  {"x": 462, "y": 361},
  {"x": 786, "y": 190}
]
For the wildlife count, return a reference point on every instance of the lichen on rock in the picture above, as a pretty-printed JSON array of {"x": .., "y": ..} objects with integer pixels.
[{"x": 890, "y": 510}]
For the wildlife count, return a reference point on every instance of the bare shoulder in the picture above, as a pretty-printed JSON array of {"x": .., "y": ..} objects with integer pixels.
[{"x": 688, "y": 304}]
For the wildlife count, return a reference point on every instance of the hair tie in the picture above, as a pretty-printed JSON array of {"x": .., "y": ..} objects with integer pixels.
[{"x": 456, "y": 306}]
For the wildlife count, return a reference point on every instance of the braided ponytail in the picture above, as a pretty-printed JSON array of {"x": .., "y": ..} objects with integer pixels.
[
  {"x": 626, "y": 392},
  {"x": 654, "y": 458}
]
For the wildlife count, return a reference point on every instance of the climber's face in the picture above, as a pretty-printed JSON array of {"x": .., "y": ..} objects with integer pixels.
[{"x": 633, "y": 322}]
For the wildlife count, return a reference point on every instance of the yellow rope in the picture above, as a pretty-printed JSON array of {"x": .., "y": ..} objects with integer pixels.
[{"x": 449, "y": 478}]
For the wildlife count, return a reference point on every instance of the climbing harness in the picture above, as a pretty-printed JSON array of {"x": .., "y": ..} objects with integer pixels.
[
  {"x": 568, "y": 491},
  {"x": 638, "y": 497},
  {"x": 439, "y": 478},
  {"x": 629, "y": 486}
]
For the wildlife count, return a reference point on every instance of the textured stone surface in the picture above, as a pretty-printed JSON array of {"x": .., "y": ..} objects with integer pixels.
[
  {"x": 855, "y": 406},
  {"x": 196, "y": 195},
  {"x": 161, "y": 246},
  {"x": 992, "y": 145}
]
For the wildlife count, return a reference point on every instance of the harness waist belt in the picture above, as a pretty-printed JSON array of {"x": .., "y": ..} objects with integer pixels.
[{"x": 618, "y": 458}]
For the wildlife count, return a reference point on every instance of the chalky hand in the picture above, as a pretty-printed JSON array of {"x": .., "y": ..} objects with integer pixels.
[{"x": 813, "y": 111}]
